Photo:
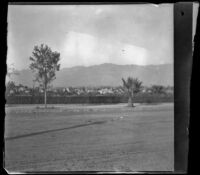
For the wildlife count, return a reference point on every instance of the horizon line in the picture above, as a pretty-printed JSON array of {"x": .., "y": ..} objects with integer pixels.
[{"x": 107, "y": 63}]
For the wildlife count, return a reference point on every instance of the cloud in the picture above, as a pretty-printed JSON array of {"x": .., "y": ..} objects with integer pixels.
[
  {"x": 85, "y": 49},
  {"x": 98, "y": 11},
  {"x": 143, "y": 32}
]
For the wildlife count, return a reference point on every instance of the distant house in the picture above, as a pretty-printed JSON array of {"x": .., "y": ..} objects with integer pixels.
[
  {"x": 120, "y": 91},
  {"x": 67, "y": 90},
  {"x": 64, "y": 90},
  {"x": 27, "y": 91},
  {"x": 105, "y": 91},
  {"x": 89, "y": 90},
  {"x": 81, "y": 91},
  {"x": 21, "y": 89},
  {"x": 149, "y": 90},
  {"x": 78, "y": 91},
  {"x": 144, "y": 90}
]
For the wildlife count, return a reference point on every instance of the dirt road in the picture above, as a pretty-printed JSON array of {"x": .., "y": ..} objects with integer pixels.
[{"x": 90, "y": 138}]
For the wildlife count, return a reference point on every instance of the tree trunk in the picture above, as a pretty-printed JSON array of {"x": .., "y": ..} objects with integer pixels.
[
  {"x": 45, "y": 98},
  {"x": 130, "y": 102}
]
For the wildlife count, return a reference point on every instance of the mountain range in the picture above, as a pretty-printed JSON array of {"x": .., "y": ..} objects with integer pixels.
[{"x": 106, "y": 74}]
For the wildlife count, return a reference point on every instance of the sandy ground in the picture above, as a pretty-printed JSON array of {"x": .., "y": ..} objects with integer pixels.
[{"x": 90, "y": 138}]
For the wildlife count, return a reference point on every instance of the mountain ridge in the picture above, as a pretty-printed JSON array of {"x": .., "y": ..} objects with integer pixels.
[{"x": 106, "y": 74}]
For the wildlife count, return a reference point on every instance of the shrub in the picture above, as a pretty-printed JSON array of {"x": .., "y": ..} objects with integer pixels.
[{"x": 109, "y": 99}]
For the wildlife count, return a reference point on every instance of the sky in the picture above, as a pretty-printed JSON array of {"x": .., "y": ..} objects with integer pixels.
[{"x": 86, "y": 35}]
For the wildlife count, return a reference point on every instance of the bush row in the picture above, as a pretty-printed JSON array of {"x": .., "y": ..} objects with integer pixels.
[{"x": 141, "y": 98}]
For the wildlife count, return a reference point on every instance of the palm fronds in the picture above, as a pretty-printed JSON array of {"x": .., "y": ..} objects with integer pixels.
[{"x": 132, "y": 84}]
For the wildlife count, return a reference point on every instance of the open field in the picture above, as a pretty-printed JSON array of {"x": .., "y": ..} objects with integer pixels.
[{"x": 90, "y": 138}]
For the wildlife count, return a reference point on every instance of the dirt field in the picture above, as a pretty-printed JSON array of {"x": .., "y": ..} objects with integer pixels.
[{"x": 90, "y": 138}]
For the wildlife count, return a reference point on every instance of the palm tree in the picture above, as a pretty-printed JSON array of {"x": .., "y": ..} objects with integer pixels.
[{"x": 132, "y": 86}]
